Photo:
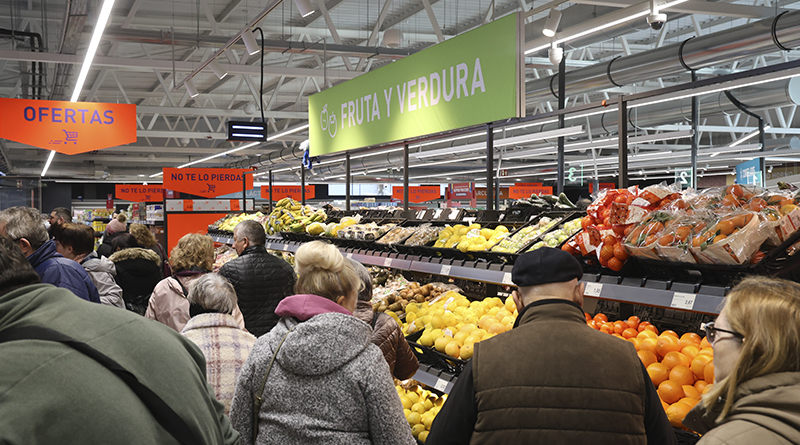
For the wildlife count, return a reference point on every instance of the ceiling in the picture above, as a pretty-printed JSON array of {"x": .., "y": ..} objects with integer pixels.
[{"x": 149, "y": 46}]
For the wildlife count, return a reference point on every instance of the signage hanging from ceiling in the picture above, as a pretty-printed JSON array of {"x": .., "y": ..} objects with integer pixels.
[
  {"x": 524, "y": 191},
  {"x": 288, "y": 191},
  {"x": 139, "y": 193},
  {"x": 67, "y": 127},
  {"x": 418, "y": 194},
  {"x": 207, "y": 182},
  {"x": 468, "y": 80}
]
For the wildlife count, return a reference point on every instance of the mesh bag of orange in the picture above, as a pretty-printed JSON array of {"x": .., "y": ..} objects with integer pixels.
[
  {"x": 674, "y": 243},
  {"x": 642, "y": 239}
]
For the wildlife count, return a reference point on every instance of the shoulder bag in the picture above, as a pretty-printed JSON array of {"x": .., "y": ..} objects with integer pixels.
[{"x": 257, "y": 400}]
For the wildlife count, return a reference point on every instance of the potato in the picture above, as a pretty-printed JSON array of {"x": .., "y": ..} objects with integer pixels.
[
  {"x": 429, "y": 286},
  {"x": 382, "y": 308},
  {"x": 419, "y": 298},
  {"x": 395, "y": 307},
  {"x": 425, "y": 291}
]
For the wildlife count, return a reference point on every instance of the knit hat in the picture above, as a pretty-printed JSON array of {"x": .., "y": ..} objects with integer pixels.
[
  {"x": 115, "y": 226},
  {"x": 545, "y": 265}
]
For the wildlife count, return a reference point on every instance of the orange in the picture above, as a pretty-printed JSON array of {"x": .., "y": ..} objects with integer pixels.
[
  {"x": 669, "y": 332},
  {"x": 648, "y": 344},
  {"x": 620, "y": 326},
  {"x": 647, "y": 358},
  {"x": 633, "y": 322},
  {"x": 601, "y": 317},
  {"x": 690, "y": 351},
  {"x": 618, "y": 336},
  {"x": 643, "y": 325},
  {"x": 708, "y": 373},
  {"x": 646, "y": 334},
  {"x": 486, "y": 322},
  {"x": 708, "y": 388},
  {"x": 707, "y": 351},
  {"x": 608, "y": 328},
  {"x": 658, "y": 373},
  {"x": 497, "y": 328},
  {"x": 629, "y": 333},
  {"x": 719, "y": 238},
  {"x": 636, "y": 342},
  {"x": 689, "y": 401},
  {"x": 725, "y": 228},
  {"x": 700, "y": 386},
  {"x": 704, "y": 343},
  {"x": 681, "y": 375},
  {"x": 690, "y": 338},
  {"x": 667, "y": 344},
  {"x": 664, "y": 404},
  {"x": 676, "y": 413},
  {"x": 691, "y": 392},
  {"x": 588, "y": 317},
  {"x": 650, "y": 327},
  {"x": 670, "y": 391},
  {"x": 698, "y": 365}
]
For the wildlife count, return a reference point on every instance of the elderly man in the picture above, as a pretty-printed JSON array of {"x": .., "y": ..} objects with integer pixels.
[
  {"x": 24, "y": 226},
  {"x": 261, "y": 280},
  {"x": 111, "y": 376},
  {"x": 552, "y": 379}
]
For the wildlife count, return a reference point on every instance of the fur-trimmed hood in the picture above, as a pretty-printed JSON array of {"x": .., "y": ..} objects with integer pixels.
[{"x": 135, "y": 253}]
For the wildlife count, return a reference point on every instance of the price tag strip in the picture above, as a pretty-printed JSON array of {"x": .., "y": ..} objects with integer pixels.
[{"x": 593, "y": 289}]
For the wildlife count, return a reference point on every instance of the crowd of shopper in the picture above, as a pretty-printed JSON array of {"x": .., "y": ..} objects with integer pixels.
[{"x": 264, "y": 353}]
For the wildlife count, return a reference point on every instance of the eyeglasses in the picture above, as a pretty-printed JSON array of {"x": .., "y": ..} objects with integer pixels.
[{"x": 711, "y": 332}]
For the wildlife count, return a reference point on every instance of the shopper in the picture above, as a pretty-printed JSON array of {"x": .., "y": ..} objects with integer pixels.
[
  {"x": 59, "y": 216},
  {"x": 114, "y": 228},
  {"x": 329, "y": 383},
  {"x": 261, "y": 280},
  {"x": 76, "y": 242},
  {"x": 552, "y": 379},
  {"x": 191, "y": 258},
  {"x": 24, "y": 226},
  {"x": 146, "y": 239},
  {"x": 386, "y": 333},
  {"x": 756, "y": 341},
  {"x": 55, "y": 392},
  {"x": 138, "y": 271},
  {"x": 213, "y": 329}
]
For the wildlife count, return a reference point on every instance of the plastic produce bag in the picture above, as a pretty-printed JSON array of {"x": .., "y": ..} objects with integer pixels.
[{"x": 732, "y": 240}]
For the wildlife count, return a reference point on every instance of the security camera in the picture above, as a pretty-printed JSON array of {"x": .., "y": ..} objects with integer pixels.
[{"x": 656, "y": 21}]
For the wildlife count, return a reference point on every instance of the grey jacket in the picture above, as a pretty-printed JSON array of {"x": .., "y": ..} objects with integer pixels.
[
  {"x": 329, "y": 385},
  {"x": 102, "y": 273},
  {"x": 766, "y": 412}
]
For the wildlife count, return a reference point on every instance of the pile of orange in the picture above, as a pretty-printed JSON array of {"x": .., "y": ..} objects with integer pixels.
[{"x": 681, "y": 368}]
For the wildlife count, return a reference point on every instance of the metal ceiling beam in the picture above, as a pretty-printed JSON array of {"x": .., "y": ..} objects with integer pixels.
[
  {"x": 406, "y": 15},
  {"x": 214, "y": 112},
  {"x": 305, "y": 21},
  {"x": 698, "y": 7}
]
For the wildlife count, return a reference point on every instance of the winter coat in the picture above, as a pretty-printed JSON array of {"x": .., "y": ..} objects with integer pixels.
[
  {"x": 261, "y": 281},
  {"x": 226, "y": 347},
  {"x": 102, "y": 272},
  {"x": 138, "y": 272},
  {"x": 105, "y": 249},
  {"x": 54, "y": 269},
  {"x": 168, "y": 303},
  {"x": 387, "y": 335},
  {"x": 329, "y": 384},
  {"x": 53, "y": 394},
  {"x": 766, "y": 412}
]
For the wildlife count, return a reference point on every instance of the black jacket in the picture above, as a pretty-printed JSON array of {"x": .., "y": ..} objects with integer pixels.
[
  {"x": 138, "y": 272},
  {"x": 105, "y": 249},
  {"x": 261, "y": 281}
]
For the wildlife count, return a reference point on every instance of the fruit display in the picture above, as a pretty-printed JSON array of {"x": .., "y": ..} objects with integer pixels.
[
  {"x": 559, "y": 235},
  {"x": 396, "y": 235},
  {"x": 364, "y": 232},
  {"x": 471, "y": 238},
  {"x": 424, "y": 234},
  {"x": 394, "y": 304},
  {"x": 681, "y": 368},
  {"x": 523, "y": 236},
  {"x": 420, "y": 407},
  {"x": 228, "y": 222},
  {"x": 333, "y": 229},
  {"x": 222, "y": 255},
  {"x": 542, "y": 203},
  {"x": 290, "y": 216}
]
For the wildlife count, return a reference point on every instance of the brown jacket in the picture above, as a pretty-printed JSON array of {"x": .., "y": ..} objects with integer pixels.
[
  {"x": 766, "y": 412},
  {"x": 388, "y": 336},
  {"x": 566, "y": 384}
]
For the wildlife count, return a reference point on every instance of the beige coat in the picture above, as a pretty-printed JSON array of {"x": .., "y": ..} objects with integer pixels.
[{"x": 169, "y": 306}]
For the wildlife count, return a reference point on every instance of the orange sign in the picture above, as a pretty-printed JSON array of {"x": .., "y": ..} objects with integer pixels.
[
  {"x": 67, "y": 127},
  {"x": 525, "y": 191},
  {"x": 206, "y": 182},
  {"x": 418, "y": 194},
  {"x": 288, "y": 191},
  {"x": 137, "y": 193},
  {"x": 602, "y": 186},
  {"x": 480, "y": 192}
]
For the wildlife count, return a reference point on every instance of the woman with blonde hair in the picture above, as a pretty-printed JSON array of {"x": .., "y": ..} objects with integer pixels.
[
  {"x": 316, "y": 378},
  {"x": 192, "y": 257},
  {"x": 756, "y": 341},
  {"x": 146, "y": 239}
]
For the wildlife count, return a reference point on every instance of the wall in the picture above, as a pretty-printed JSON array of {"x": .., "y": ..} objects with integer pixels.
[{"x": 54, "y": 195}]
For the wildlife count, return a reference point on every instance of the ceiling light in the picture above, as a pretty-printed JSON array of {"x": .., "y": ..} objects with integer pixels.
[
  {"x": 304, "y": 6},
  {"x": 730, "y": 149},
  {"x": 568, "y": 131},
  {"x": 97, "y": 34},
  {"x": 190, "y": 88},
  {"x": 239, "y": 148},
  {"x": 141, "y": 176},
  {"x": 661, "y": 136},
  {"x": 218, "y": 70},
  {"x": 156, "y": 174},
  {"x": 288, "y": 131},
  {"x": 747, "y": 136},
  {"x": 552, "y": 22},
  {"x": 393, "y": 38},
  {"x": 49, "y": 160},
  {"x": 555, "y": 54},
  {"x": 250, "y": 43}
]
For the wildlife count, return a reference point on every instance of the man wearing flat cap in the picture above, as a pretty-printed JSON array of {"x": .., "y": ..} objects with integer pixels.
[{"x": 552, "y": 379}]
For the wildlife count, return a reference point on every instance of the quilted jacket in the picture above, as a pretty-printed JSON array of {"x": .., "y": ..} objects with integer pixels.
[
  {"x": 54, "y": 269},
  {"x": 387, "y": 335},
  {"x": 138, "y": 272},
  {"x": 261, "y": 281}
]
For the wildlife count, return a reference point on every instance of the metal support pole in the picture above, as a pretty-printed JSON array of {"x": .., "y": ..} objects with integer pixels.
[
  {"x": 347, "y": 181},
  {"x": 696, "y": 131},
  {"x": 405, "y": 177},
  {"x": 562, "y": 103},
  {"x": 497, "y": 193},
  {"x": 303, "y": 185},
  {"x": 270, "y": 191},
  {"x": 762, "y": 160},
  {"x": 622, "y": 118},
  {"x": 244, "y": 192},
  {"x": 489, "y": 168}
]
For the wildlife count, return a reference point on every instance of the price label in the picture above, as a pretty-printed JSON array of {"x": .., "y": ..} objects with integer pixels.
[
  {"x": 682, "y": 300},
  {"x": 593, "y": 289},
  {"x": 349, "y": 256},
  {"x": 286, "y": 247},
  {"x": 269, "y": 246},
  {"x": 387, "y": 262},
  {"x": 441, "y": 384},
  {"x": 507, "y": 279},
  {"x": 438, "y": 213},
  {"x": 445, "y": 269},
  {"x": 454, "y": 214}
]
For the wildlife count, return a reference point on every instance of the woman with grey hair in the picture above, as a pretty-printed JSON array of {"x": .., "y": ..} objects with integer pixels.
[
  {"x": 213, "y": 329},
  {"x": 386, "y": 333}
]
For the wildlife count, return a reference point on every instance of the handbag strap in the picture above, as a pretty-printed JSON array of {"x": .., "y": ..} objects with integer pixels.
[
  {"x": 164, "y": 415},
  {"x": 258, "y": 400}
]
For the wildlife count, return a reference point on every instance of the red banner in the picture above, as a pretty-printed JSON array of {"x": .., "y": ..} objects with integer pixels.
[
  {"x": 139, "y": 193},
  {"x": 67, "y": 127},
  {"x": 206, "y": 182},
  {"x": 480, "y": 192},
  {"x": 525, "y": 191},
  {"x": 602, "y": 186},
  {"x": 288, "y": 191},
  {"x": 418, "y": 194}
]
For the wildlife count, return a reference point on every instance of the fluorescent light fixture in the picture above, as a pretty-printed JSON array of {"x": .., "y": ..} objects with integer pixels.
[
  {"x": 190, "y": 88},
  {"x": 552, "y": 22},
  {"x": 250, "y": 43},
  {"x": 288, "y": 131},
  {"x": 661, "y": 136},
  {"x": 97, "y": 34},
  {"x": 747, "y": 136},
  {"x": 305, "y": 7},
  {"x": 439, "y": 175},
  {"x": 49, "y": 160},
  {"x": 218, "y": 70},
  {"x": 233, "y": 150},
  {"x": 730, "y": 149},
  {"x": 156, "y": 175},
  {"x": 568, "y": 131}
]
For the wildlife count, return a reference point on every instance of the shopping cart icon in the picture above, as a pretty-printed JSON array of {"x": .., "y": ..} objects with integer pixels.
[{"x": 72, "y": 136}]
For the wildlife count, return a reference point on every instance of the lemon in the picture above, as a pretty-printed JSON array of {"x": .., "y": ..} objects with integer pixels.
[
  {"x": 426, "y": 340},
  {"x": 472, "y": 339},
  {"x": 441, "y": 343},
  {"x": 418, "y": 407},
  {"x": 437, "y": 322},
  {"x": 406, "y": 402},
  {"x": 468, "y": 328},
  {"x": 418, "y": 429},
  {"x": 423, "y": 436},
  {"x": 414, "y": 418},
  {"x": 428, "y": 404},
  {"x": 449, "y": 319},
  {"x": 460, "y": 337},
  {"x": 466, "y": 351},
  {"x": 452, "y": 348},
  {"x": 503, "y": 229},
  {"x": 510, "y": 305},
  {"x": 413, "y": 397}
]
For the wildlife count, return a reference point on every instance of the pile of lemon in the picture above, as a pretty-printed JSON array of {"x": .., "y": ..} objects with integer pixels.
[
  {"x": 453, "y": 324},
  {"x": 470, "y": 238},
  {"x": 420, "y": 407}
]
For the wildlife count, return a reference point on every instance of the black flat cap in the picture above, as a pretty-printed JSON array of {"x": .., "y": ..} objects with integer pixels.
[{"x": 545, "y": 265}]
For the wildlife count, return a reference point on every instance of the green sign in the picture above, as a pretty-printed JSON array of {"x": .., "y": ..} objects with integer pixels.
[
  {"x": 468, "y": 80},
  {"x": 683, "y": 176}
]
